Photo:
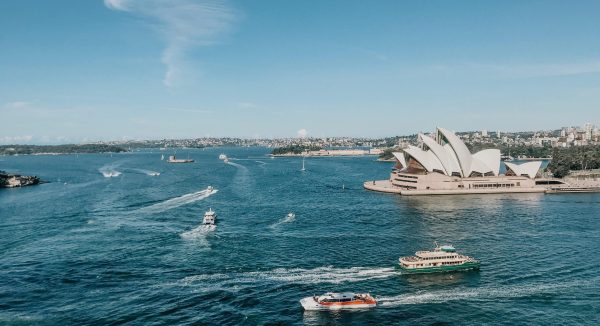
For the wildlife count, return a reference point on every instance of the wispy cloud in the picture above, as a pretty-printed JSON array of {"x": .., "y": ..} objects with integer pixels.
[
  {"x": 17, "y": 105},
  {"x": 185, "y": 25},
  {"x": 247, "y": 105},
  {"x": 189, "y": 110},
  {"x": 16, "y": 139},
  {"x": 521, "y": 70},
  {"x": 543, "y": 70}
]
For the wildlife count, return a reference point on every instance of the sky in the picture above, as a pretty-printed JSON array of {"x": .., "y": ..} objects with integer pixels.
[{"x": 85, "y": 70}]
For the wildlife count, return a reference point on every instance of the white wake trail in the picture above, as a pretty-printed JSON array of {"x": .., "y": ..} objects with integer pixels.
[
  {"x": 238, "y": 166},
  {"x": 319, "y": 275},
  {"x": 146, "y": 172},
  {"x": 199, "y": 235},
  {"x": 286, "y": 219},
  {"x": 178, "y": 201},
  {"x": 476, "y": 294}
]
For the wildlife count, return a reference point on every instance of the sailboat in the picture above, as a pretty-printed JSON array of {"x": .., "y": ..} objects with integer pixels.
[
  {"x": 303, "y": 169},
  {"x": 162, "y": 157}
]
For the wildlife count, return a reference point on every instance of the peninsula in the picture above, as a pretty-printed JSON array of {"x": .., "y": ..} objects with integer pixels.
[{"x": 59, "y": 149}]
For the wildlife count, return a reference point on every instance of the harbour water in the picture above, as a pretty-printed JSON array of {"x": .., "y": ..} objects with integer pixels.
[{"x": 115, "y": 239}]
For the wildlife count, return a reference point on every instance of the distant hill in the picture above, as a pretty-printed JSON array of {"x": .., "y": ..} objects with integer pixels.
[{"x": 59, "y": 149}]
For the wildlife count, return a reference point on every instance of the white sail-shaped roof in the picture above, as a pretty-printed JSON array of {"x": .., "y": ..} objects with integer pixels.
[
  {"x": 453, "y": 157},
  {"x": 401, "y": 159},
  {"x": 426, "y": 158},
  {"x": 529, "y": 169},
  {"x": 449, "y": 155},
  {"x": 479, "y": 166},
  {"x": 448, "y": 162},
  {"x": 490, "y": 158},
  {"x": 460, "y": 149}
]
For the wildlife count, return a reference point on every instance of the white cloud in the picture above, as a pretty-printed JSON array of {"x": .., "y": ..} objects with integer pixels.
[
  {"x": 185, "y": 25},
  {"x": 302, "y": 133}
]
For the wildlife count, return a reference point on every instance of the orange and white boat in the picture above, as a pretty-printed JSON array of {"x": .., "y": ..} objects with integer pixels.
[{"x": 334, "y": 301}]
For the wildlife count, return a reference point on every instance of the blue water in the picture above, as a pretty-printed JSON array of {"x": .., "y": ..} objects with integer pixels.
[{"x": 91, "y": 249}]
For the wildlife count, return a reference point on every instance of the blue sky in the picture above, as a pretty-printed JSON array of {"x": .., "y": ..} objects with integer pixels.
[{"x": 74, "y": 71}]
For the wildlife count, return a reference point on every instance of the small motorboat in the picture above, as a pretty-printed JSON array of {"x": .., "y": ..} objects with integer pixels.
[
  {"x": 210, "y": 188},
  {"x": 209, "y": 217},
  {"x": 334, "y": 301},
  {"x": 290, "y": 216},
  {"x": 222, "y": 157}
]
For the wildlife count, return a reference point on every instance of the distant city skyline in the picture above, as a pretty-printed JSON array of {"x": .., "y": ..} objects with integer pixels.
[{"x": 76, "y": 71}]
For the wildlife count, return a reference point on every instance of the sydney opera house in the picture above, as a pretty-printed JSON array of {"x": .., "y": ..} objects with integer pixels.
[{"x": 442, "y": 164}]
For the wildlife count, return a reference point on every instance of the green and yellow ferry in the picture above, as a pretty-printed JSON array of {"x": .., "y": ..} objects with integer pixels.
[{"x": 441, "y": 259}]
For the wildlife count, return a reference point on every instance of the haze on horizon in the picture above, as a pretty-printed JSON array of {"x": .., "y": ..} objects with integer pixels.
[{"x": 75, "y": 71}]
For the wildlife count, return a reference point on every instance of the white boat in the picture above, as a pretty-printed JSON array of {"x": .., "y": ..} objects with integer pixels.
[
  {"x": 209, "y": 217},
  {"x": 222, "y": 157},
  {"x": 303, "y": 169},
  {"x": 290, "y": 216},
  {"x": 210, "y": 188},
  {"x": 173, "y": 159},
  {"x": 336, "y": 301}
]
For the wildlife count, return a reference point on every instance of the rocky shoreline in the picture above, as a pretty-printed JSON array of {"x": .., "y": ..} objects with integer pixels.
[{"x": 15, "y": 180}]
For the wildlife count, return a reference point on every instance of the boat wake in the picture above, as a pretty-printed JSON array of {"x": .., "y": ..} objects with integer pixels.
[
  {"x": 287, "y": 219},
  {"x": 199, "y": 232},
  {"x": 109, "y": 170},
  {"x": 178, "y": 201},
  {"x": 477, "y": 294},
  {"x": 237, "y": 165},
  {"x": 319, "y": 275},
  {"x": 199, "y": 235},
  {"x": 146, "y": 172}
]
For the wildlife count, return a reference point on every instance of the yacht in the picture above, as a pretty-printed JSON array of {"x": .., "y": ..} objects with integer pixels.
[
  {"x": 441, "y": 259},
  {"x": 209, "y": 217},
  {"x": 331, "y": 301}
]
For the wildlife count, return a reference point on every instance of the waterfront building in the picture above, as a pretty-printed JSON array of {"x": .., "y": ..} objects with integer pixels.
[{"x": 445, "y": 165}]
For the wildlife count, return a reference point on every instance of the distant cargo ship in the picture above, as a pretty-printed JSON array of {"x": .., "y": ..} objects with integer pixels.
[{"x": 172, "y": 159}]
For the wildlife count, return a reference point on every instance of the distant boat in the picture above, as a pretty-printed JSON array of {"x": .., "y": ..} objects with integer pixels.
[
  {"x": 336, "y": 301},
  {"x": 172, "y": 159},
  {"x": 441, "y": 259},
  {"x": 162, "y": 157},
  {"x": 303, "y": 168},
  {"x": 222, "y": 157},
  {"x": 209, "y": 217}
]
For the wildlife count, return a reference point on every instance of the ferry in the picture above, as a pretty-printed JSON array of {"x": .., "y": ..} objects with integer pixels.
[
  {"x": 172, "y": 159},
  {"x": 336, "y": 301},
  {"x": 441, "y": 259},
  {"x": 209, "y": 217}
]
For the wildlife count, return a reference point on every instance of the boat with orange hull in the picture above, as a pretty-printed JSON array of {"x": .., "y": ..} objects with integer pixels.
[{"x": 336, "y": 301}]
